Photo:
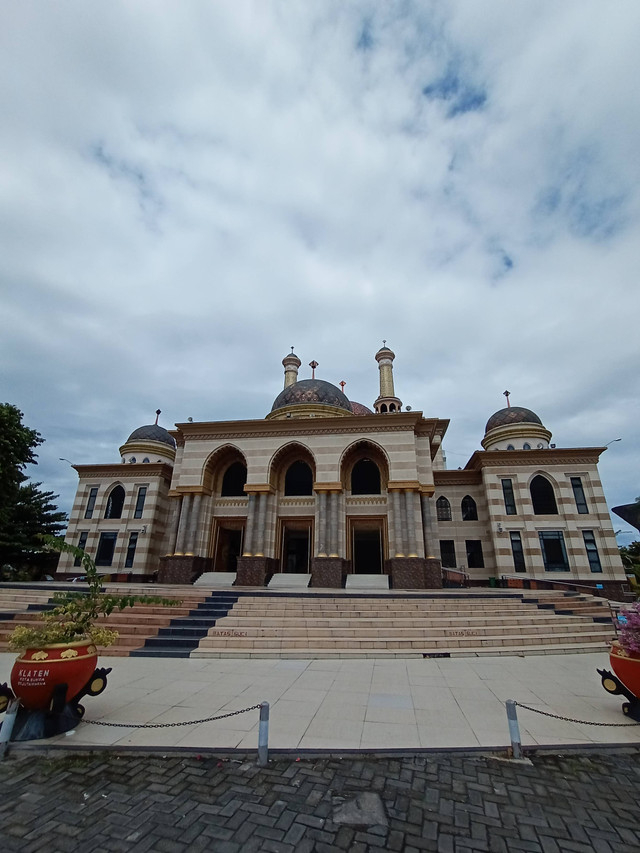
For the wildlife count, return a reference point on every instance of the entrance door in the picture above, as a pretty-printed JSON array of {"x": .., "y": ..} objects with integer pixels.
[
  {"x": 367, "y": 551},
  {"x": 295, "y": 549},
  {"x": 229, "y": 548}
]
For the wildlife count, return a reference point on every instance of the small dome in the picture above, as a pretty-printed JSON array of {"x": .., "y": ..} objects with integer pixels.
[
  {"x": 360, "y": 409},
  {"x": 512, "y": 415},
  {"x": 309, "y": 391},
  {"x": 152, "y": 432}
]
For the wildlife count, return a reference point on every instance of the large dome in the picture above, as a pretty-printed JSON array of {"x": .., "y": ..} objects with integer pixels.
[
  {"x": 152, "y": 432},
  {"x": 309, "y": 392},
  {"x": 512, "y": 415},
  {"x": 360, "y": 408}
]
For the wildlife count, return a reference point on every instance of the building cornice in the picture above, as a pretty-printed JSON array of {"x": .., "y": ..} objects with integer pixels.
[
  {"x": 293, "y": 427},
  {"x": 547, "y": 456},
  {"x": 457, "y": 478},
  {"x": 121, "y": 470}
]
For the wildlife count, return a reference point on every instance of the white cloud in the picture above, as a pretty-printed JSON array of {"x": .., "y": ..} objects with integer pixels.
[{"x": 187, "y": 190}]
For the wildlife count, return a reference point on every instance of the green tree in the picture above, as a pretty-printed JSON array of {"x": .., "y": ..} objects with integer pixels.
[{"x": 26, "y": 512}]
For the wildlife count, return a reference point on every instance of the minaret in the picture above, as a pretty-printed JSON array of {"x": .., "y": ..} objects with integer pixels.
[
  {"x": 387, "y": 401},
  {"x": 291, "y": 364}
]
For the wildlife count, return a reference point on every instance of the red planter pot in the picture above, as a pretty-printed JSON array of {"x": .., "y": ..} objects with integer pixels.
[
  {"x": 626, "y": 666},
  {"x": 37, "y": 672}
]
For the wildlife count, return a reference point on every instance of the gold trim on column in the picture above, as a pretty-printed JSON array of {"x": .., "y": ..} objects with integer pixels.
[
  {"x": 327, "y": 487},
  {"x": 403, "y": 485},
  {"x": 259, "y": 488}
]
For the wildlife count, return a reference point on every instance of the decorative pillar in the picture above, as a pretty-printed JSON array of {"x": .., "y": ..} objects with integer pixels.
[
  {"x": 428, "y": 528},
  {"x": 185, "y": 513},
  {"x": 322, "y": 524},
  {"x": 172, "y": 526},
  {"x": 397, "y": 525},
  {"x": 194, "y": 518},
  {"x": 249, "y": 531},
  {"x": 410, "y": 522},
  {"x": 333, "y": 524},
  {"x": 259, "y": 532}
]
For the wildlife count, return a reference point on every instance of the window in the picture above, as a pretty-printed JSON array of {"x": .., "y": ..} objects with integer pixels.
[
  {"x": 592, "y": 550},
  {"x": 115, "y": 503},
  {"x": 234, "y": 480},
  {"x": 146, "y": 459},
  {"x": 475, "y": 558},
  {"x": 469, "y": 509},
  {"x": 554, "y": 553},
  {"x": 510, "y": 447},
  {"x": 443, "y": 509},
  {"x": 543, "y": 497},
  {"x": 82, "y": 542},
  {"x": 578, "y": 494},
  {"x": 298, "y": 479},
  {"x": 448, "y": 553},
  {"x": 526, "y": 446},
  {"x": 142, "y": 494},
  {"x": 365, "y": 478},
  {"x": 91, "y": 503},
  {"x": 517, "y": 551},
  {"x": 106, "y": 547},
  {"x": 509, "y": 499},
  {"x": 131, "y": 550}
]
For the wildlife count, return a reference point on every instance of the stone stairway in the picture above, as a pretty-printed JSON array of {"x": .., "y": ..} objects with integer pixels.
[
  {"x": 437, "y": 624},
  {"x": 243, "y": 623}
]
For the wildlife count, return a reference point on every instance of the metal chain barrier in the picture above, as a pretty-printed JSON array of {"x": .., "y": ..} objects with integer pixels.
[
  {"x": 570, "y": 719},
  {"x": 170, "y": 725}
]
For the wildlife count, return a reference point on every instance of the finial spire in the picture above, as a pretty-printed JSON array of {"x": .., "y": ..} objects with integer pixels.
[
  {"x": 158, "y": 413},
  {"x": 342, "y": 384},
  {"x": 313, "y": 365},
  {"x": 506, "y": 394}
]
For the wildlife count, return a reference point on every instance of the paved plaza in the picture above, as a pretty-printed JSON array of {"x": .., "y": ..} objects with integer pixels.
[
  {"x": 436, "y": 776},
  {"x": 110, "y": 801},
  {"x": 352, "y": 704}
]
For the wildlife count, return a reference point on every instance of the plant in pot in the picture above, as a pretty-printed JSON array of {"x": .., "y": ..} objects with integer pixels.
[{"x": 60, "y": 649}]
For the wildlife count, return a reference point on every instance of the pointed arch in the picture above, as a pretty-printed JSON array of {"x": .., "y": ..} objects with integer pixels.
[
  {"x": 443, "y": 509},
  {"x": 369, "y": 463},
  {"x": 284, "y": 459},
  {"x": 469, "y": 509},
  {"x": 115, "y": 502},
  {"x": 216, "y": 466},
  {"x": 543, "y": 496}
]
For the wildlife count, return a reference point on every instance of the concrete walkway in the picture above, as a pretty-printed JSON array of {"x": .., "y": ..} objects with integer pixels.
[{"x": 352, "y": 704}]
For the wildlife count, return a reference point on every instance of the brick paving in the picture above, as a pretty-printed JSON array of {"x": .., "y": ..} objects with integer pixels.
[{"x": 60, "y": 801}]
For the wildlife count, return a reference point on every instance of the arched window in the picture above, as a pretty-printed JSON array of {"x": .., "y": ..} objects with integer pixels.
[
  {"x": 443, "y": 509},
  {"x": 543, "y": 497},
  {"x": 115, "y": 503},
  {"x": 146, "y": 459},
  {"x": 365, "y": 478},
  {"x": 298, "y": 479},
  {"x": 234, "y": 481},
  {"x": 383, "y": 407},
  {"x": 469, "y": 509},
  {"x": 510, "y": 447},
  {"x": 526, "y": 446}
]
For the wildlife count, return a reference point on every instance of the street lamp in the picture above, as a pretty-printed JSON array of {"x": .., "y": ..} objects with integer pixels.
[
  {"x": 612, "y": 441},
  {"x": 62, "y": 459}
]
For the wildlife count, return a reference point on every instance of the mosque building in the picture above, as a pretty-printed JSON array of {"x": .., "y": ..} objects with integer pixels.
[{"x": 325, "y": 487}]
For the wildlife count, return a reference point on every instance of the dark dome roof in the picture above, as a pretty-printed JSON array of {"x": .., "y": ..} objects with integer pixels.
[
  {"x": 152, "y": 432},
  {"x": 512, "y": 415},
  {"x": 360, "y": 409},
  {"x": 309, "y": 391}
]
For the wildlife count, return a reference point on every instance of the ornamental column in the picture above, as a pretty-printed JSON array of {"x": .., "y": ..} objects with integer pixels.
[
  {"x": 194, "y": 518},
  {"x": 333, "y": 522},
  {"x": 321, "y": 521},
  {"x": 247, "y": 551},
  {"x": 183, "y": 525},
  {"x": 397, "y": 524},
  {"x": 410, "y": 521},
  {"x": 428, "y": 527},
  {"x": 260, "y": 532}
]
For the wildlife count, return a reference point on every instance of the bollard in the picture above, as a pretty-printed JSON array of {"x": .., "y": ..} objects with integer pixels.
[
  {"x": 514, "y": 729},
  {"x": 263, "y": 735},
  {"x": 7, "y": 726}
]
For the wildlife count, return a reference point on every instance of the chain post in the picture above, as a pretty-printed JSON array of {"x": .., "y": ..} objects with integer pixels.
[
  {"x": 7, "y": 726},
  {"x": 514, "y": 728},
  {"x": 263, "y": 735}
]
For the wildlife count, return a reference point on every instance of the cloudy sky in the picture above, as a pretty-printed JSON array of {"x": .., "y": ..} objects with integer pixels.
[{"x": 190, "y": 188}]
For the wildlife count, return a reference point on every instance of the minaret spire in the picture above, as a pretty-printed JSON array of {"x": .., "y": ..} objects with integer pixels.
[
  {"x": 387, "y": 401},
  {"x": 291, "y": 364}
]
